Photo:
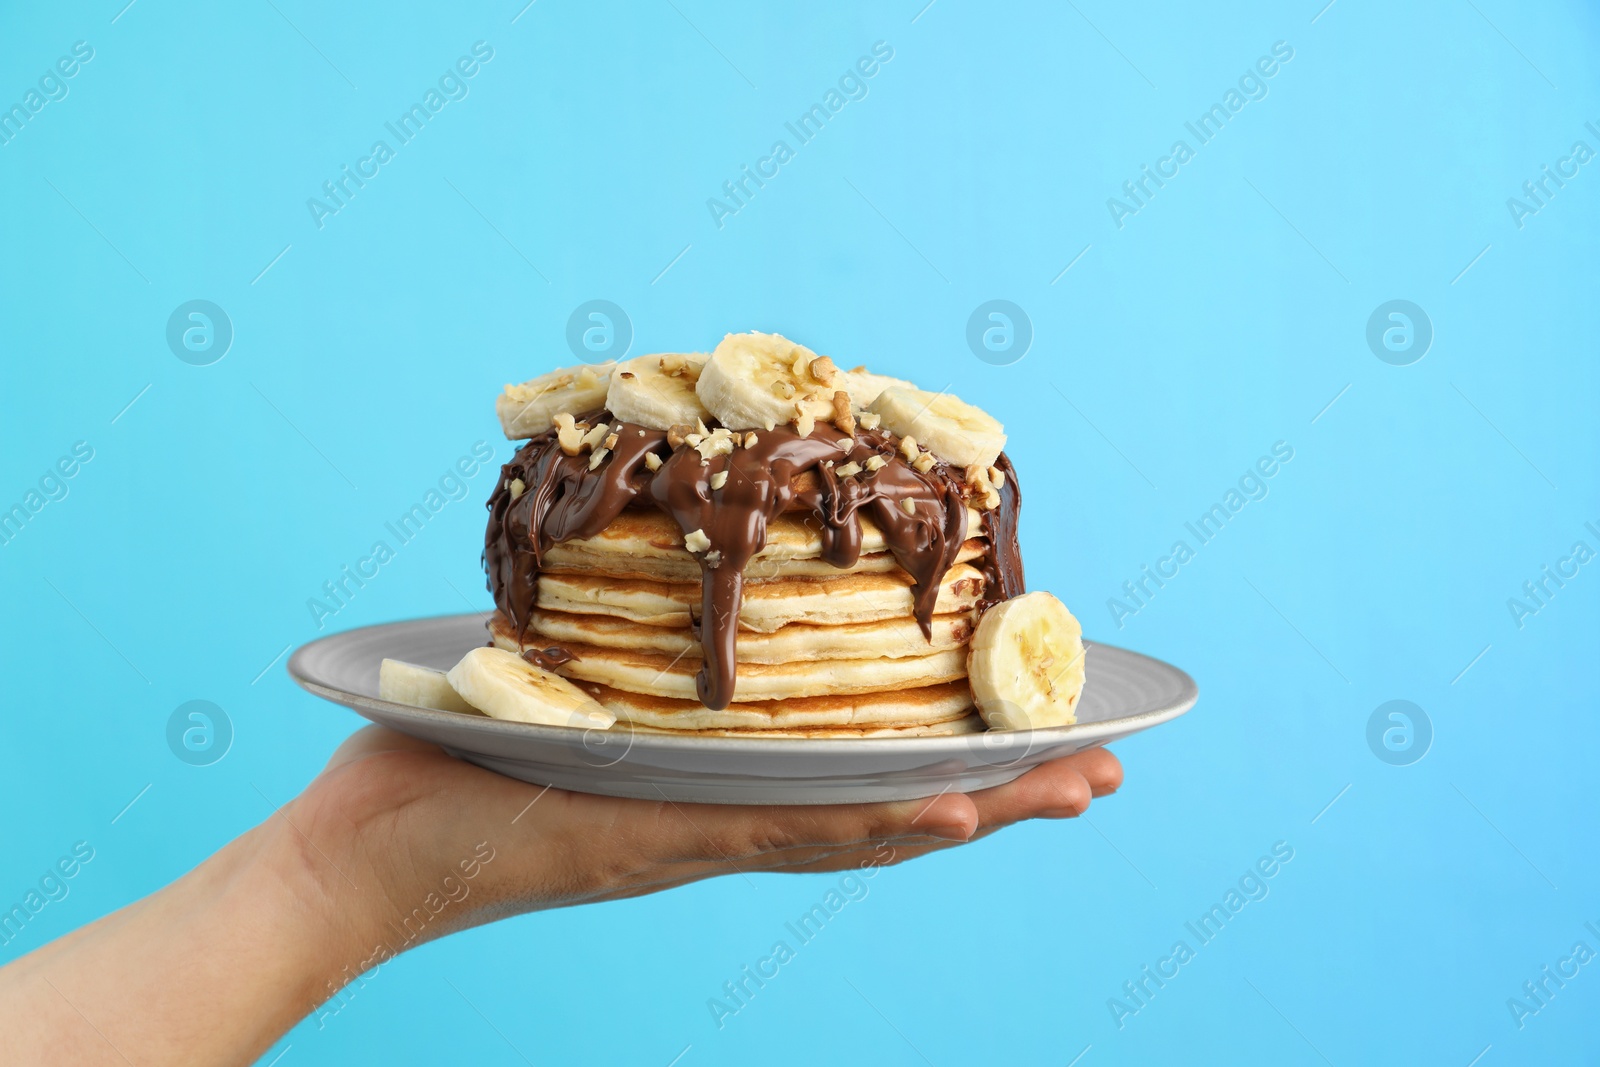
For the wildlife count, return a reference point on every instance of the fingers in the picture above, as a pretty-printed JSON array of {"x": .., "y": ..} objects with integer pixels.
[
  {"x": 674, "y": 832},
  {"x": 371, "y": 739},
  {"x": 1055, "y": 790},
  {"x": 1101, "y": 769},
  {"x": 1060, "y": 789},
  {"x": 762, "y": 838}
]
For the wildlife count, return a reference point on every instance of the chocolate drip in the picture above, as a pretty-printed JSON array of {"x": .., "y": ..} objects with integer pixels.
[
  {"x": 781, "y": 472},
  {"x": 561, "y": 499},
  {"x": 1002, "y": 568},
  {"x": 548, "y": 658}
]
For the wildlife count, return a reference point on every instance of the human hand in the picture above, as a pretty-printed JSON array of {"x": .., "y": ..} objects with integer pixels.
[
  {"x": 396, "y": 843},
  {"x": 398, "y": 825}
]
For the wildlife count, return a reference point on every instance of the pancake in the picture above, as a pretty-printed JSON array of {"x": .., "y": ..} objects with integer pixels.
[
  {"x": 579, "y": 557},
  {"x": 966, "y": 724},
  {"x": 767, "y": 606},
  {"x": 639, "y": 534},
  {"x": 674, "y": 676},
  {"x": 798, "y": 642},
  {"x": 899, "y": 709}
]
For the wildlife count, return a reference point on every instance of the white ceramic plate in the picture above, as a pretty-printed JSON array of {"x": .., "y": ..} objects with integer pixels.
[{"x": 1125, "y": 693}]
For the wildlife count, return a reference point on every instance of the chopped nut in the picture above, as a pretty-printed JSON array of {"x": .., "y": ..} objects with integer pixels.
[
  {"x": 693, "y": 440},
  {"x": 800, "y": 365},
  {"x": 719, "y": 479},
  {"x": 978, "y": 479},
  {"x": 810, "y": 396},
  {"x": 848, "y": 470},
  {"x": 842, "y": 416},
  {"x": 908, "y": 448},
  {"x": 652, "y": 461},
  {"x": 783, "y": 389},
  {"x": 593, "y": 438},
  {"x": 869, "y": 420},
  {"x": 713, "y": 558},
  {"x": 517, "y": 487},
  {"x": 875, "y": 463},
  {"x": 611, "y": 440},
  {"x": 722, "y": 431},
  {"x": 750, "y": 439},
  {"x": 997, "y": 477},
  {"x": 697, "y": 541},
  {"x": 823, "y": 370},
  {"x": 676, "y": 435},
  {"x": 586, "y": 377},
  {"x": 598, "y": 457},
  {"x": 672, "y": 366},
  {"x": 923, "y": 463},
  {"x": 568, "y": 436},
  {"x": 908, "y": 505},
  {"x": 769, "y": 424},
  {"x": 700, "y": 427},
  {"x": 991, "y": 501},
  {"x": 719, "y": 446},
  {"x": 846, "y": 443},
  {"x": 641, "y": 433},
  {"x": 804, "y": 423}
]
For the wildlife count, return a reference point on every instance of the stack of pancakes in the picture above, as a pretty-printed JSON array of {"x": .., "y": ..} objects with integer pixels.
[{"x": 822, "y": 651}]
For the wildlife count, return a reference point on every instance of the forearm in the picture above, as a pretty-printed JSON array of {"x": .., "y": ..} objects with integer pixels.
[{"x": 211, "y": 969}]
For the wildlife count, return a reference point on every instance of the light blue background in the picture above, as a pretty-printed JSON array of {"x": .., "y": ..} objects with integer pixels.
[{"x": 1223, "y": 317}]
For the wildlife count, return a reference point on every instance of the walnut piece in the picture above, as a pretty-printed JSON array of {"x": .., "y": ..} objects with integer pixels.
[
  {"x": 842, "y": 416},
  {"x": 568, "y": 436}
]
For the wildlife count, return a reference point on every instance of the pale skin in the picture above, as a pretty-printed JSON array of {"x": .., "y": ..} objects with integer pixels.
[{"x": 221, "y": 963}]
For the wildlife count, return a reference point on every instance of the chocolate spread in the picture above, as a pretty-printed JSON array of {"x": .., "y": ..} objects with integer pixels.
[{"x": 561, "y": 499}]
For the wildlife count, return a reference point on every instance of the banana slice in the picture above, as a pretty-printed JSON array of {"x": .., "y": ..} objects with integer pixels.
[
  {"x": 944, "y": 424},
  {"x": 531, "y": 408},
  {"x": 421, "y": 687},
  {"x": 1025, "y": 664},
  {"x": 657, "y": 391},
  {"x": 864, "y": 386},
  {"x": 755, "y": 381},
  {"x": 503, "y": 685}
]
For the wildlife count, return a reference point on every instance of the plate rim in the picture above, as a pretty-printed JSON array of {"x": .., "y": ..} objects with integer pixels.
[{"x": 1047, "y": 736}]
